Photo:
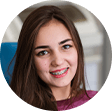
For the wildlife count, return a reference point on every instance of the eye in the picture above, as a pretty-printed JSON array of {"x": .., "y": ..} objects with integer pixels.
[
  {"x": 66, "y": 46},
  {"x": 42, "y": 53}
]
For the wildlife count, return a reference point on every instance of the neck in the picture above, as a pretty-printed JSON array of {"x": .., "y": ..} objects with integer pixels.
[{"x": 61, "y": 93}]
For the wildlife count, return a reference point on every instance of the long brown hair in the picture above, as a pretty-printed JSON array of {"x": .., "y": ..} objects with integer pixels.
[{"x": 25, "y": 80}]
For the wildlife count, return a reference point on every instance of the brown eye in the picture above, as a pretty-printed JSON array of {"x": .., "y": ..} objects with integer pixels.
[{"x": 42, "y": 53}]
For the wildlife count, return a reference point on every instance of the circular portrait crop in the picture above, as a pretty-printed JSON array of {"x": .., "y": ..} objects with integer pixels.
[{"x": 55, "y": 55}]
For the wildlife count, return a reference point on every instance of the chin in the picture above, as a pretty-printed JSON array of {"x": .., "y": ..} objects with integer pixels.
[{"x": 63, "y": 84}]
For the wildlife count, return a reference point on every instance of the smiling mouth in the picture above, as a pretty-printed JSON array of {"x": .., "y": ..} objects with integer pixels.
[{"x": 59, "y": 72}]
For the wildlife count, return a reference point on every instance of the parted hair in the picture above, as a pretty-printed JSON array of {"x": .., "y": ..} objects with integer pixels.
[{"x": 25, "y": 80}]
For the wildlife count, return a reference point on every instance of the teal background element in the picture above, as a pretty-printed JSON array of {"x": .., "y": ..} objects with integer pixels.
[{"x": 9, "y": 9}]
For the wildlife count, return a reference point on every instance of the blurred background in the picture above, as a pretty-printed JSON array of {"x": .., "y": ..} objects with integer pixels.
[{"x": 95, "y": 41}]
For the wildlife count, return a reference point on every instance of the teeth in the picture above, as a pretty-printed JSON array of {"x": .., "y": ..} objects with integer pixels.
[{"x": 59, "y": 73}]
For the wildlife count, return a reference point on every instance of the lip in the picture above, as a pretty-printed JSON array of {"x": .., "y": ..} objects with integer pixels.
[
  {"x": 62, "y": 75},
  {"x": 58, "y": 70}
]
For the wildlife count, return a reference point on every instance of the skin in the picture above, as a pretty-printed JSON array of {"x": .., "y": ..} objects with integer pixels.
[{"x": 56, "y": 55}]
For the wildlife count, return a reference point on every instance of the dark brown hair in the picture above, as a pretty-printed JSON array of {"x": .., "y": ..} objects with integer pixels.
[{"x": 25, "y": 80}]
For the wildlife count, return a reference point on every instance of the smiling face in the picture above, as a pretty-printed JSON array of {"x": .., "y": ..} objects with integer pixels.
[{"x": 55, "y": 55}]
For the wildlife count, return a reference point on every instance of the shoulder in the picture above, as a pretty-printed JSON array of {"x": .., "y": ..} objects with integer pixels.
[
  {"x": 91, "y": 93},
  {"x": 83, "y": 98},
  {"x": 77, "y": 101},
  {"x": 84, "y": 94}
]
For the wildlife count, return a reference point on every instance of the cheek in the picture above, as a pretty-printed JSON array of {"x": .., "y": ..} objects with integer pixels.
[
  {"x": 42, "y": 65},
  {"x": 73, "y": 58}
]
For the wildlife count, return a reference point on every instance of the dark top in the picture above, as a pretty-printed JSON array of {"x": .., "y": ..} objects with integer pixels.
[{"x": 63, "y": 104}]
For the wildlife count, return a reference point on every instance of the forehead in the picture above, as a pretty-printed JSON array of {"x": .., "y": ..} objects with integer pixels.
[{"x": 52, "y": 32}]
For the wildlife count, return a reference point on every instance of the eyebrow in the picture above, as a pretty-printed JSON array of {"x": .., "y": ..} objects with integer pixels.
[
  {"x": 66, "y": 40},
  {"x": 46, "y": 46}
]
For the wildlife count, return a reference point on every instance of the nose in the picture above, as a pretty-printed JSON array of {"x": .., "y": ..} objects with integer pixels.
[{"x": 57, "y": 59}]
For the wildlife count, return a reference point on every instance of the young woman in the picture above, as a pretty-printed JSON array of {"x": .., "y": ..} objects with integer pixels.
[{"x": 49, "y": 66}]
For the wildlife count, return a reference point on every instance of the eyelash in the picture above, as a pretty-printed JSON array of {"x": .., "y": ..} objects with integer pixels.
[
  {"x": 67, "y": 46},
  {"x": 44, "y": 52}
]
